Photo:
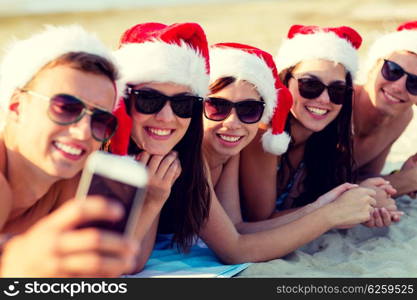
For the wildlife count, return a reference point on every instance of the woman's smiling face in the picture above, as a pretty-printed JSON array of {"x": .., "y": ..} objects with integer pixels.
[
  {"x": 230, "y": 136},
  {"x": 158, "y": 133},
  {"x": 315, "y": 114}
]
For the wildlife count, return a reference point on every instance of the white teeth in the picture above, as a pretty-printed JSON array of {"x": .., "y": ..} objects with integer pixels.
[
  {"x": 161, "y": 132},
  {"x": 392, "y": 98},
  {"x": 68, "y": 149},
  {"x": 229, "y": 138},
  {"x": 317, "y": 111}
]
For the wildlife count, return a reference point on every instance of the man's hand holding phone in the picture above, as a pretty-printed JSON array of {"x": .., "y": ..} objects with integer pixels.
[
  {"x": 91, "y": 235},
  {"x": 54, "y": 247},
  {"x": 162, "y": 173}
]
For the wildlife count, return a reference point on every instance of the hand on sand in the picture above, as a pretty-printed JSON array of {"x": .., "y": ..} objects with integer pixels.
[
  {"x": 54, "y": 247},
  {"x": 352, "y": 207},
  {"x": 382, "y": 187},
  {"x": 333, "y": 194},
  {"x": 382, "y": 217},
  {"x": 386, "y": 210},
  {"x": 162, "y": 172}
]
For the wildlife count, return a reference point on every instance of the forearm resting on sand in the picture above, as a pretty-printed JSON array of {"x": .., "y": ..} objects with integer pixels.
[
  {"x": 404, "y": 181},
  {"x": 278, "y": 218}
]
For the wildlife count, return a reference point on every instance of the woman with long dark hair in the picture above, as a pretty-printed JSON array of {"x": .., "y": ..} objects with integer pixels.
[
  {"x": 317, "y": 65},
  {"x": 188, "y": 204},
  {"x": 165, "y": 75},
  {"x": 246, "y": 89}
]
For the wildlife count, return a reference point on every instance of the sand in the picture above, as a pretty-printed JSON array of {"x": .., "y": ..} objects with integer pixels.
[{"x": 359, "y": 252}]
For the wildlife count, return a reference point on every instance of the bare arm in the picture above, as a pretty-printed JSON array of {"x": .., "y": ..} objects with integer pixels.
[
  {"x": 146, "y": 234},
  {"x": 59, "y": 249},
  {"x": 227, "y": 190},
  {"x": 295, "y": 214},
  {"x": 162, "y": 171},
  {"x": 221, "y": 235},
  {"x": 257, "y": 175},
  {"x": 405, "y": 181}
]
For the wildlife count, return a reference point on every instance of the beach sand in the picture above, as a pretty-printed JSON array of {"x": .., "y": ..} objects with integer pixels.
[{"x": 359, "y": 252}]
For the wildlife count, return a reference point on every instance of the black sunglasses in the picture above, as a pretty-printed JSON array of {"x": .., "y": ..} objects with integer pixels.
[
  {"x": 392, "y": 71},
  {"x": 66, "y": 109},
  {"x": 248, "y": 111},
  {"x": 151, "y": 102},
  {"x": 312, "y": 88}
]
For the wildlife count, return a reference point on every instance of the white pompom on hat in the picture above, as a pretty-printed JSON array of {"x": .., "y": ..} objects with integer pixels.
[
  {"x": 25, "y": 58},
  {"x": 155, "y": 52},
  {"x": 256, "y": 66},
  {"x": 336, "y": 44},
  {"x": 403, "y": 39}
]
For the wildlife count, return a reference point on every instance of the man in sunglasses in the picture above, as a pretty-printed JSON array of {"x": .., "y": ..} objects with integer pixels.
[
  {"x": 57, "y": 92},
  {"x": 383, "y": 106}
]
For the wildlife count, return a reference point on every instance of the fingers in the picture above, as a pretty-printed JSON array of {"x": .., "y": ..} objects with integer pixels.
[
  {"x": 93, "y": 239},
  {"x": 396, "y": 215},
  {"x": 391, "y": 205},
  {"x": 370, "y": 223},
  {"x": 158, "y": 165},
  {"x": 388, "y": 189},
  {"x": 166, "y": 163},
  {"x": 154, "y": 163},
  {"x": 367, "y": 191},
  {"x": 173, "y": 171},
  {"x": 143, "y": 157},
  {"x": 334, "y": 193},
  {"x": 385, "y": 217},
  {"x": 337, "y": 191},
  {"x": 372, "y": 201},
  {"x": 75, "y": 213},
  {"x": 377, "y": 218},
  {"x": 375, "y": 181}
]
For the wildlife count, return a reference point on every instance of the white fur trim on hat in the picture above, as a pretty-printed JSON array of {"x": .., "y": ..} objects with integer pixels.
[
  {"x": 320, "y": 45},
  {"x": 158, "y": 61},
  {"x": 387, "y": 44},
  {"x": 275, "y": 143},
  {"x": 245, "y": 66},
  {"x": 24, "y": 58}
]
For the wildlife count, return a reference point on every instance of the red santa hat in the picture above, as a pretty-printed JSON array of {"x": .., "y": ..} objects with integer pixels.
[
  {"x": 404, "y": 38},
  {"x": 337, "y": 44},
  {"x": 256, "y": 66},
  {"x": 24, "y": 58},
  {"x": 154, "y": 52}
]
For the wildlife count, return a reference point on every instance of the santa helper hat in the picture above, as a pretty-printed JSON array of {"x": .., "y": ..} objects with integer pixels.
[
  {"x": 336, "y": 44},
  {"x": 256, "y": 66},
  {"x": 404, "y": 38},
  {"x": 154, "y": 52},
  {"x": 24, "y": 58}
]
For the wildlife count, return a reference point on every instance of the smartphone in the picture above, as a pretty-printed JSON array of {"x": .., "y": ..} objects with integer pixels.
[{"x": 119, "y": 178}]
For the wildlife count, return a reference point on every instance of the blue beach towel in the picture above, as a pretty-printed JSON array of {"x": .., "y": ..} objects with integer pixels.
[{"x": 199, "y": 262}]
